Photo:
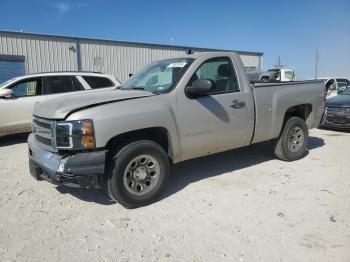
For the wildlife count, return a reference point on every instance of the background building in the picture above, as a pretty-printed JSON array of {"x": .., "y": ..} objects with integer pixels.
[{"x": 26, "y": 53}]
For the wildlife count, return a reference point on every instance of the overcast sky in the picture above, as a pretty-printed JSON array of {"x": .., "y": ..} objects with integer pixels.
[{"x": 290, "y": 29}]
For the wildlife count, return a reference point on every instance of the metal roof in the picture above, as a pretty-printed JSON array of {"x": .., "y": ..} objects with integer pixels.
[{"x": 127, "y": 42}]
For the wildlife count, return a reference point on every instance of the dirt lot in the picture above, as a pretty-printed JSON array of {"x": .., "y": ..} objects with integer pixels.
[{"x": 241, "y": 205}]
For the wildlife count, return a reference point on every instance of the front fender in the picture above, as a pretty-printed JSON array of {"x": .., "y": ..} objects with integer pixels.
[{"x": 117, "y": 118}]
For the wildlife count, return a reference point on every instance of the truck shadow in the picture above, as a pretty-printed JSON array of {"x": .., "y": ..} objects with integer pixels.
[
  {"x": 88, "y": 195},
  {"x": 194, "y": 170},
  {"x": 315, "y": 142},
  {"x": 14, "y": 139},
  {"x": 190, "y": 171}
]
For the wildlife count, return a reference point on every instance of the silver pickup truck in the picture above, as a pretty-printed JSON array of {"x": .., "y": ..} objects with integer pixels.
[{"x": 124, "y": 140}]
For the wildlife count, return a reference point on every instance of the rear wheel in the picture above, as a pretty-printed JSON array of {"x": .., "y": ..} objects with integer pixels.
[
  {"x": 265, "y": 79},
  {"x": 139, "y": 173},
  {"x": 291, "y": 144}
]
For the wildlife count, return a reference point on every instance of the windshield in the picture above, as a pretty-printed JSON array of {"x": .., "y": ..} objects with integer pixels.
[
  {"x": 346, "y": 91},
  {"x": 341, "y": 86},
  {"x": 158, "y": 76}
]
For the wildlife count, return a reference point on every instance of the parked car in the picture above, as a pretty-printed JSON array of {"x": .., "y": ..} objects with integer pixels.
[
  {"x": 335, "y": 85},
  {"x": 337, "y": 113},
  {"x": 18, "y": 95},
  {"x": 171, "y": 110},
  {"x": 278, "y": 75}
]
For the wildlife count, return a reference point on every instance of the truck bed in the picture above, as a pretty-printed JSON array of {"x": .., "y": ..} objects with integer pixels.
[{"x": 273, "y": 100}]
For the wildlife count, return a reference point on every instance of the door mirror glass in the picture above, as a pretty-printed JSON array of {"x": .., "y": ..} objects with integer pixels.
[
  {"x": 4, "y": 92},
  {"x": 200, "y": 87}
]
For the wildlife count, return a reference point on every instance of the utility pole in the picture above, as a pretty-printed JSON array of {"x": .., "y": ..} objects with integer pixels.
[
  {"x": 316, "y": 63},
  {"x": 279, "y": 62},
  {"x": 279, "y": 65}
]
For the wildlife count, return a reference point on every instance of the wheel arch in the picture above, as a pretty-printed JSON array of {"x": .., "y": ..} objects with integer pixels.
[
  {"x": 265, "y": 77},
  {"x": 302, "y": 110},
  {"x": 159, "y": 135}
]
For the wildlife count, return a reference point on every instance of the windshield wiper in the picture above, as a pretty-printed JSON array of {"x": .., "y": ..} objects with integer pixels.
[
  {"x": 132, "y": 88},
  {"x": 142, "y": 88},
  {"x": 138, "y": 88}
]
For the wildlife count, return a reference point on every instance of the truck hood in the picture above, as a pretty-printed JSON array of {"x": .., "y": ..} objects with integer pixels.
[
  {"x": 60, "y": 107},
  {"x": 339, "y": 101}
]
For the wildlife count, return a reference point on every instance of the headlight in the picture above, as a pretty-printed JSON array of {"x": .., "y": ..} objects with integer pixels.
[{"x": 75, "y": 135}]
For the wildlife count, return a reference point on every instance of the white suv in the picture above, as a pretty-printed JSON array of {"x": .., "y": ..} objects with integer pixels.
[{"x": 18, "y": 95}]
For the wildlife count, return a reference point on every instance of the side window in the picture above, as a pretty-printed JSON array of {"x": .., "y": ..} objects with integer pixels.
[
  {"x": 220, "y": 71},
  {"x": 61, "y": 84},
  {"x": 28, "y": 87},
  {"x": 98, "y": 82},
  {"x": 289, "y": 75}
]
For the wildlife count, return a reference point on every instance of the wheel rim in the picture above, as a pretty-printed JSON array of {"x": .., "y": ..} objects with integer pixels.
[
  {"x": 141, "y": 175},
  {"x": 296, "y": 139}
]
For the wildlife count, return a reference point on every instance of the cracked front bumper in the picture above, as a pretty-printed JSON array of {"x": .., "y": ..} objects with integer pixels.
[{"x": 76, "y": 170}]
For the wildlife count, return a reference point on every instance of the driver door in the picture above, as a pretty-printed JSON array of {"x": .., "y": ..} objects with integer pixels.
[
  {"x": 220, "y": 120},
  {"x": 16, "y": 111}
]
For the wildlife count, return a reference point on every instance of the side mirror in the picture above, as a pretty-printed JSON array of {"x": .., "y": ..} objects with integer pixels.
[
  {"x": 200, "y": 87},
  {"x": 4, "y": 92}
]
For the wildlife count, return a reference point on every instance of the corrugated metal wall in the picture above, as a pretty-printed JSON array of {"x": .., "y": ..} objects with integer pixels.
[
  {"x": 120, "y": 60},
  {"x": 41, "y": 54},
  {"x": 53, "y": 53}
]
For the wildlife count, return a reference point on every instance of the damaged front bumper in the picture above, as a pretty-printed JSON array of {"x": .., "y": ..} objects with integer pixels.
[{"x": 76, "y": 170}]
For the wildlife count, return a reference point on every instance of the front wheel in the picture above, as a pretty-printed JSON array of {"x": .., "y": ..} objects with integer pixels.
[
  {"x": 139, "y": 173},
  {"x": 291, "y": 144}
]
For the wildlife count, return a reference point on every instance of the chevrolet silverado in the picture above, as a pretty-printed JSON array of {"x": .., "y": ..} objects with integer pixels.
[{"x": 125, "y": 140}]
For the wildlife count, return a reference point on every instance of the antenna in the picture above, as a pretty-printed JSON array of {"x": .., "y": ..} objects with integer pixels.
[{"x": 316, "y": 63}]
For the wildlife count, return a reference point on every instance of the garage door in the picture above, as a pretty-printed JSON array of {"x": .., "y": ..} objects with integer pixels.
[{"x": 11, "y": 66}]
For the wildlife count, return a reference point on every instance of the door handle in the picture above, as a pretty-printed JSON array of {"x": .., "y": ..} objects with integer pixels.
[{"x": 237, "y": 104}]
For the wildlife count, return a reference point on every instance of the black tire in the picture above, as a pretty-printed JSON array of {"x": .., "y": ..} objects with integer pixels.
[
  {"x": 126, "y": 194},
  {"x": 285, "y": 148},
  {"x": 265, "y": 80}
]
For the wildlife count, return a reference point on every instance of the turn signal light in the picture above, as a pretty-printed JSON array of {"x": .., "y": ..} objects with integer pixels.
[{"x": 88, "y": 142}]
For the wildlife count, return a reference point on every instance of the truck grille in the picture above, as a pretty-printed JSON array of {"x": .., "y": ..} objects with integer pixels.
[
  {"x": 43, "y": 130},
  {"x": 338, "y": 116},
  {"x": 42, "y": 124},
  {"x": 43, "y": 140},
  {"x": 339, "y": 111}
]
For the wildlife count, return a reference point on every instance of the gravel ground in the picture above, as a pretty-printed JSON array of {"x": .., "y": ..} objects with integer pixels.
[{"x": 242, "y": 205}]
